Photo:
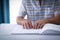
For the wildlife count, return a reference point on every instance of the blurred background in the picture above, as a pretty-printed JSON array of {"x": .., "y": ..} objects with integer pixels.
[{"x": 9, "y": 10}]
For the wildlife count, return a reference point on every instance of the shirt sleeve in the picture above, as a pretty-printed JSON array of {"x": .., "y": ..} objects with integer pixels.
[
  {"x": 57, "y": 7},
  {"x": 22, "y": 11}
]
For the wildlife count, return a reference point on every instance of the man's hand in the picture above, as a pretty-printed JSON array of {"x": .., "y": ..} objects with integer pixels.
[
  {"x": 26, "y": 24},
  {"x": 39, "y": 24}
]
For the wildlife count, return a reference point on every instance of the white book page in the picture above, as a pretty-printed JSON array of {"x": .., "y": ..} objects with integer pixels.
[
  {"x": 14, "y": 28},
  {"x": 51, "y": 27},
  {"x": 19, "y": 29}
]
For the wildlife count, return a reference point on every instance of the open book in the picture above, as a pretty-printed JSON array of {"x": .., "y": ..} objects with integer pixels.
[{"x": 48, "y": 29}]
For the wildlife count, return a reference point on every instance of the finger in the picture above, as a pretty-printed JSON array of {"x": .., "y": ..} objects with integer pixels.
[
  {"x": 23, "y": 26},
  {"x": 35, "y": 26},
  {"x": 27, "y": 25},
  {"x": 41, "y": 25},
  {"x": 30, "y": 25},
  {"x": 38, "y": 27}
]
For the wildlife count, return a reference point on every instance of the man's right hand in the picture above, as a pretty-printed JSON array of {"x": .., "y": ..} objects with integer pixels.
[{"x": 26, "y": 24}]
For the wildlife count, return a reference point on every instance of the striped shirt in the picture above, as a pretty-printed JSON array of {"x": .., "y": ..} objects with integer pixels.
[{"x": 35, "y": 11}]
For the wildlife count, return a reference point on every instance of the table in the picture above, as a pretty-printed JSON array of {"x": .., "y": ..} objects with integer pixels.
[{"x": 5, "y": 30}]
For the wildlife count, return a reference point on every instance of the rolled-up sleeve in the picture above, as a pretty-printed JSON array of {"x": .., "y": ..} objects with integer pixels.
[
  {"x": 57, "y": 7},
  {"x": 22, "y": 11}
]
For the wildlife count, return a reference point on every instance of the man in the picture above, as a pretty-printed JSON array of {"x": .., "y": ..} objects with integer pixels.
[{"x": 39, "y": 13}]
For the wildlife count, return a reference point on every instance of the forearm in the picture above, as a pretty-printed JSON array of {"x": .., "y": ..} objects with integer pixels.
[{"x": 53, "y": 20}]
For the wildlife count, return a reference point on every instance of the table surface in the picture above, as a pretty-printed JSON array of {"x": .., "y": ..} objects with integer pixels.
[{"x": 5, "y": 34}]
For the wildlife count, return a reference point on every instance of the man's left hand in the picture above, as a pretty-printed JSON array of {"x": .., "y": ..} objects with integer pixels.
[{"x": 39, "y": 24}]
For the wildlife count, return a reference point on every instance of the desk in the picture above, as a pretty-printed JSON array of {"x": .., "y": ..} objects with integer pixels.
[{"x": 5, "y": 30}]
